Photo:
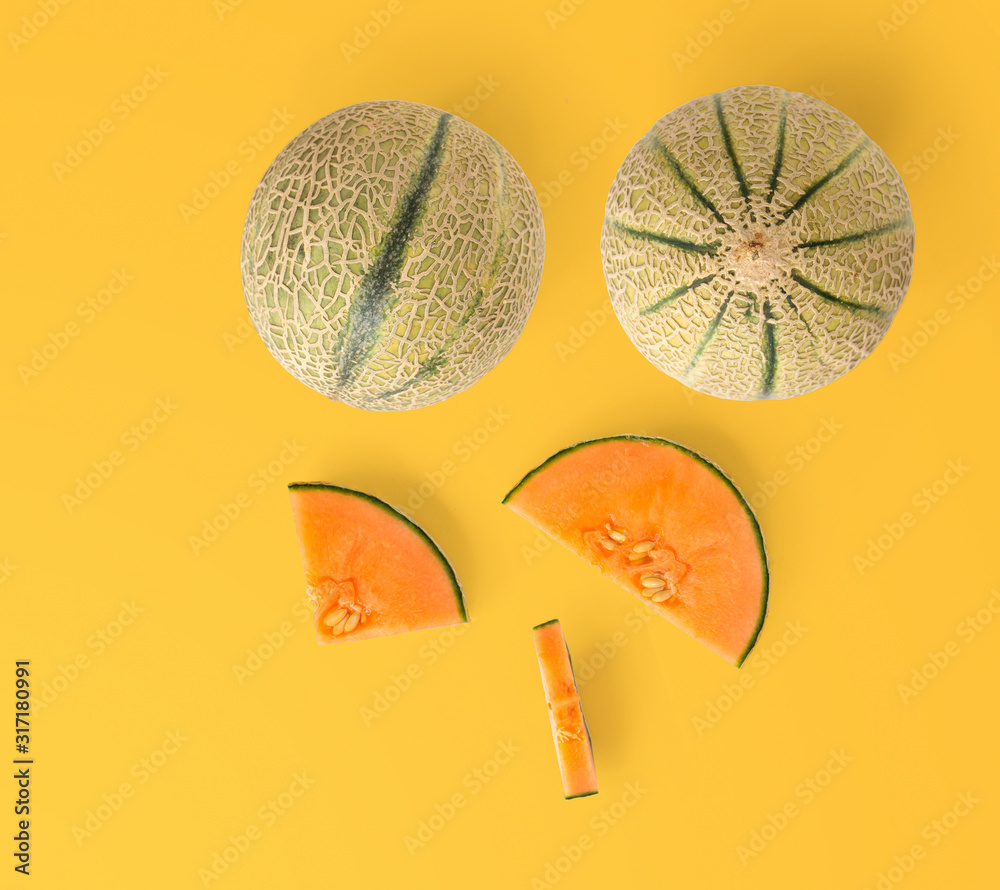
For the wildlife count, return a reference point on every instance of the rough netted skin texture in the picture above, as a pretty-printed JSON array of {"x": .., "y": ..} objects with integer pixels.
[
  {"x": 391, "y": 255},
  {"x": 756, "y": 244}
]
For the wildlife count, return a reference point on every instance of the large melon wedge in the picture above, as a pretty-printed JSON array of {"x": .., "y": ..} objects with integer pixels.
[
  {"x": 569, "y": 728},
  {"x": 665, "y": 524},
  {"x": 370, "y": 571}
]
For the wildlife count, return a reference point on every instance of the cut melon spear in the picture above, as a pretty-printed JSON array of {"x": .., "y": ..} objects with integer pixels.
[{"x": 569, "y": 728}]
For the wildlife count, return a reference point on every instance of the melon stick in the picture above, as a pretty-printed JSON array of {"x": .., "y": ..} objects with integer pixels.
[
  {"x": 569, "y": 728},
  {"x": 756, "y": 244}
]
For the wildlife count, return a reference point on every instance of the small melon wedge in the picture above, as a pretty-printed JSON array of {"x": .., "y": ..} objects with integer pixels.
[
  {"x": 664, "y": 523},
  {"x": 569, "y": 728},
  {"x": 370, "y": 571}
]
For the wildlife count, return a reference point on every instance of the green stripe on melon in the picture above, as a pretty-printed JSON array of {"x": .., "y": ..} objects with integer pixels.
[
  {"x": 391, "y": 255},
  {"x": 756, "y": 244}
]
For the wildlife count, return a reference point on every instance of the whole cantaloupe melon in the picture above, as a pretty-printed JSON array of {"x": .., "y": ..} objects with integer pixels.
[
  {"x": 756, "y": 243},
  {"x": 391, "y": 255}
]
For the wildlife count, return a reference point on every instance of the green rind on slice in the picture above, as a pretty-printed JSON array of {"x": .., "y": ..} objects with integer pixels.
[{"x": 546, "y": 623}]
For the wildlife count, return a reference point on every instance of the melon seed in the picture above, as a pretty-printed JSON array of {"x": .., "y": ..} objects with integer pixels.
[
  {"x": 652, "y": 581},
  {"x": 661, "y": 596},
  {"x": 607, "y": 543},
  {"x": 636, "y": 558},
  {"x": 334, "y": 617},
  {"x": 618, "y": 534},
  {"x": 352, "y": 622},
  {"x": 338, "y": 628},
  {"x": 643, "y": 547}
]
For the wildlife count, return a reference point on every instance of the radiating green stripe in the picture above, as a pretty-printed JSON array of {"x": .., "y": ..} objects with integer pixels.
[
  {"x": 895, "y": 226},
  {"x": 687, "y": 181},
  {"x": 727, "y": 140},
  {"x": 673, "y": 295},
  {"x": 798, "y": 278},
  {"x": 712, "y": 328},
  {"x": 709, "y": 248},
  {"x": 812, "y": 335},
  {"x": 826, "y": 177},
  {"x": 431, "y": 365},
  {"x": 770, "y": 350},
  {"x": 372, "y": 300},
  {"x": 798, "y": 314},
  {"x": 779, "y": 152}
]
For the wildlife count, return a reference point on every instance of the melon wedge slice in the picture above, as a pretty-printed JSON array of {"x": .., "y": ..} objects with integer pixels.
[
  {"x": 665, "y": 524},
  {"x": 569, "y": 728},
  {"x": 370, "y": 571}
]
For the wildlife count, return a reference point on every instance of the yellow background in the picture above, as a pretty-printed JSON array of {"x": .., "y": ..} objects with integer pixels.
[{"x": 177, "y": 333}]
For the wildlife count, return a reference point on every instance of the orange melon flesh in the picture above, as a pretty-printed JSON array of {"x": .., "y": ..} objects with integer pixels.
[
  {"x": 363, "y": 558},
  {"x": 707, "y": 548},
  {"x": 569, "y": 728}
]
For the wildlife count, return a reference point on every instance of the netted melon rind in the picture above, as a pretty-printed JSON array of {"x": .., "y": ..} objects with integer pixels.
[
  {"x": 700, "y": 187},
  {"x": 319, "y": 218}
]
